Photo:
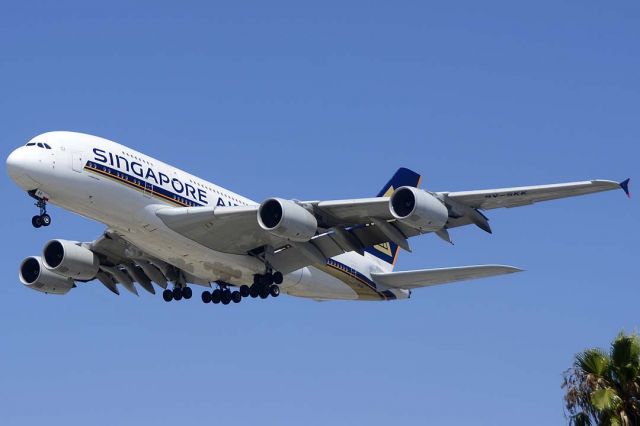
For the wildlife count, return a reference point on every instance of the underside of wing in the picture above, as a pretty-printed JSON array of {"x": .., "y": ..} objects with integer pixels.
[
  {"x": 120, "y": 262},
  {"x": 110, "y": 259},
  {"x": 225, "y": 229},
  {"x": 429, "y": 277}
]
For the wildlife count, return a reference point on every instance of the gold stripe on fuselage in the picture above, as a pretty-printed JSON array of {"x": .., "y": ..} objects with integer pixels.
[{"x": 134, "y": 185}]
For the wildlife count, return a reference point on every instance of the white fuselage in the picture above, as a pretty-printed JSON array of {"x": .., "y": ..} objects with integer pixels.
[{"x": 108, "y": 182}]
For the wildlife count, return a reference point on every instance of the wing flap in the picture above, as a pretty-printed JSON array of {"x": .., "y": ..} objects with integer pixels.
[
  {"x": 429, "y": 277},
  {"x": 350, "y": 212}
]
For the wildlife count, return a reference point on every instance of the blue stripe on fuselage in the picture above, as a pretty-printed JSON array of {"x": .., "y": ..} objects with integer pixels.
[
  {"x": 140, "y": 184},
  {"x": 386, "y": 294}
]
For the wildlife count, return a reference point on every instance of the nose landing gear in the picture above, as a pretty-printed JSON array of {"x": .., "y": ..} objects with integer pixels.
[{"x": 43, "y": 219}]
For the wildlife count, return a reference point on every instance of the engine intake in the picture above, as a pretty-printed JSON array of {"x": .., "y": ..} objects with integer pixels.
[
  {"x": 68, "y": 259},
  {"x": 418, "y": 209},
  {"x": 35, "y": 276},
  {"x": 286, "y": 219}
]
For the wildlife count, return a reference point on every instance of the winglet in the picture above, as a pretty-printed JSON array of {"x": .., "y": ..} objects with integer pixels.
[{"x": 625, "y": 186}]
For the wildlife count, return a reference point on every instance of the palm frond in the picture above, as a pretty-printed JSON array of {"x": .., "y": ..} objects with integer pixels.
[
  {"x": 625, "y": 357},
  {"x": 593, "y": 361},
  {"x": 605, "y": 399},
  {"x": 580, "y": 419}
]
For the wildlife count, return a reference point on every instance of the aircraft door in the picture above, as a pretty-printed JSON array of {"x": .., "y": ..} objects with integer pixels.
[
  {"x": 77, "y": 162},
  {"x": 148, "y": 189}
]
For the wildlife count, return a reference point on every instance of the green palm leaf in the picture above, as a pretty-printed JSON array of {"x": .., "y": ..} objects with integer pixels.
[
  {"x": 581, "y": 419},
  {"x": 605, "y": 399},
  {"x": 593, "y": 361},
  {"x": 603, "y": 388},
  {"x": 625, "y": 356}
]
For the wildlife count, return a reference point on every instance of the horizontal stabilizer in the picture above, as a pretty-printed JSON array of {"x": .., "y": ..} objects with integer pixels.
[{"x": 428, "y": 277}]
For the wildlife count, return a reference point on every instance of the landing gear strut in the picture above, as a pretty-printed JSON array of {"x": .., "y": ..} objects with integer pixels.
[{"x": 43, "y": 219}]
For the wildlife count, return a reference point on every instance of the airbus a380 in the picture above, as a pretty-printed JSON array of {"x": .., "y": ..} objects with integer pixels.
[{"x": 168, "y": 227}]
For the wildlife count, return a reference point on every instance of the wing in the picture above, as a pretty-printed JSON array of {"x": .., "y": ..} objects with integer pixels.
[
  {"x": 343, "y": 226},
  {"x": 525, "y": 195},
  {"x": 464, "y": 207},
  {"x": 429, "y": 277},
  {"x": 236, "y": 229},
  {"x": 353, "y": 224}
]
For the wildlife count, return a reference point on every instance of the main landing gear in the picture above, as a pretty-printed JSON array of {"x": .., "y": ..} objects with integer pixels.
[
  {"x": 43, "y": 219},
  {"x": 178, "y": 293},
  {"x": 263, "y": 286},
  {"x": 266, "y": 285},
  {"x": 223, "y": 295}
]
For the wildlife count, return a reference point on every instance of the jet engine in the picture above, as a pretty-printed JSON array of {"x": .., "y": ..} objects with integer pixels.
[
  {"x": 35, "y": 276},
  {"x": 418, "y": 209},
  {"x": 71, "y": 260},
  {"x": 286, "y": 219}
]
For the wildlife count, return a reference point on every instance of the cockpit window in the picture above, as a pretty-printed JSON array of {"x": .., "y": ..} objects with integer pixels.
[{"x": 39, "y": 145}]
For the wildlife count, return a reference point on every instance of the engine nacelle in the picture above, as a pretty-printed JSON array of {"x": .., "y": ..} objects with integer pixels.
[
  {"x": 418, "y": 209},
  {"x": 286, "y": 219},
  {"x": 70, "y": 260},
  {"x": 35, "y": 276}
]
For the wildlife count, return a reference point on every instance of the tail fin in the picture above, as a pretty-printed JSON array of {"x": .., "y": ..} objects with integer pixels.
[{"x": 388, "y": 252}]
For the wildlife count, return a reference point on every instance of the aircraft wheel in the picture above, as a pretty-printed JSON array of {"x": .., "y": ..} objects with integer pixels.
[
  {"x": 167, "y": 295},
  {"x": 244, "y": 290},
  {"x": 45, "y": 220},
  {"x": 264, "y": 293},
  {"x": 278, "y": 278},
  {"x": 206, "y": 296},
  {"x": 187, "y": 293},
  {"x": 36, "y": 221},
  {"x": 177, "y": 293},
  {"x": 236, "y": 297},
  {"x": 267, "y": 280},
  {"x": 216, "y": 296},
  {"x": 226, "y": 297},
  {"x": 274, "y": 291},
  {"x": 254, "y": 291}
]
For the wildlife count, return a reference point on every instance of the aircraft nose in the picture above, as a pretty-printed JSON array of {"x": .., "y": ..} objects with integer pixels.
[
  {"x": 17, "y": 167},
  {"x": 15, "y": 160}
]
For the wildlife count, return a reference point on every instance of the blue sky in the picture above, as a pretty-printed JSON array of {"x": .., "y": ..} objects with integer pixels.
[{"x": 325, "y": 101}]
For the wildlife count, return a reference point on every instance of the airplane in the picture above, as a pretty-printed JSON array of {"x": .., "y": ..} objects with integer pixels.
[{"x": 171, "y": 228}]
